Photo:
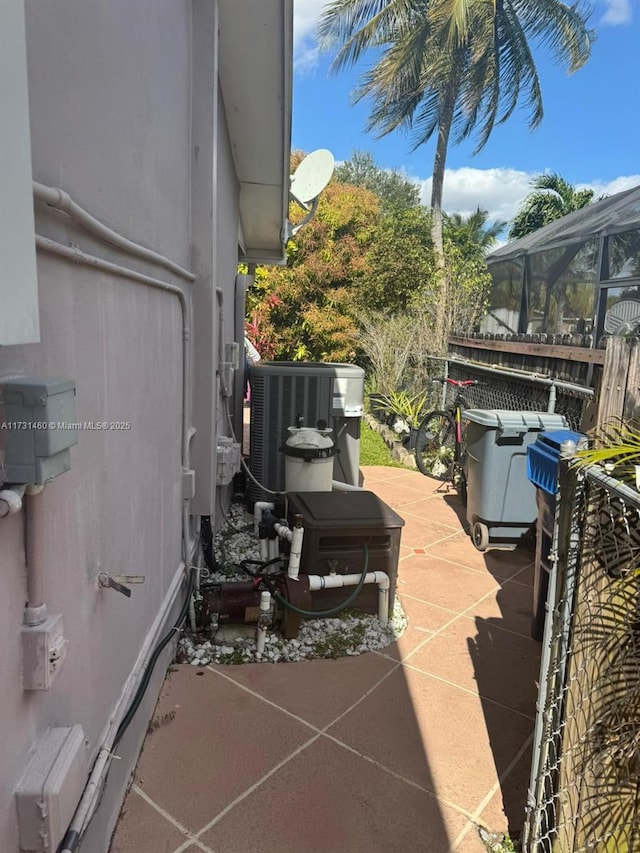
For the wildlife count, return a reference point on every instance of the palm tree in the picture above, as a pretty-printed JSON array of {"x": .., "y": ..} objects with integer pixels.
[
  {"x": 552, "y": 198},
  {"x": 473, "y": 230},
  {"x": 444, "y": 65}
]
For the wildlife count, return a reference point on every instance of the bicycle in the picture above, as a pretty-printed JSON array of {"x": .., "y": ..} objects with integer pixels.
[{"x": 439, "y": 447}]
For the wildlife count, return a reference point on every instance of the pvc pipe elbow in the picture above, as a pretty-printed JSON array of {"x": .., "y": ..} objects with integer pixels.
[
  {"x": 10, "y": 502},
  {"x": 382, "y": 579},
  {"x": 258, "y": 508}
]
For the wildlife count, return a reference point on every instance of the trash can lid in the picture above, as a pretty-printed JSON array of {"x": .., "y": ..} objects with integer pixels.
[
  {"x": 505, "y": 419},
  {"x": 552, "y": 440},
  {"x": 544, "y": 455}
]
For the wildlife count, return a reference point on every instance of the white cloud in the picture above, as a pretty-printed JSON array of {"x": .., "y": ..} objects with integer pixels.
[
  {"x": 499, "y": 191},
  {"x": 617, "y": 12},
  {"x": 502, "y": 190},
  {"x": 305, "y": 19},
  {"x": 625, "y": 182}
]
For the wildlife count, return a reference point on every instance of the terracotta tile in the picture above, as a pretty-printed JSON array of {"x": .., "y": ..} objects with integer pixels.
[
  {"x": 434, "y": 734},
  {"x": 525, "y": 576},
  {"x": 420, "y": 533},
  {"x": 444, "y": 510},
  {"x": 504, "y": 564},
  {"x": 459, "y": 549},
  {"x": 316, "y": 690},
  {"x": 327, "y": 798},
  {"x": 423, "y": 620},
  {"x": 512, "y": 608},
  {"x": 500, "y": 563},
  {"x": 471, "y": 842},
  {"x": 505, "y": 812},
  {"x": 424, "y": 616},
  {"x": 220, "y": 741},
  {"x": 438, "y": 582},
  {"x": 141, "y": 829},
  {"x": 381, "y": 474},
  {"x": 399, "y": 494},
  {"x": 475, "y": 654}
]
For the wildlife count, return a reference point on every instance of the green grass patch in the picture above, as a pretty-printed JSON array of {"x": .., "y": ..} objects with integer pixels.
[{"x": 373, "y": 450}]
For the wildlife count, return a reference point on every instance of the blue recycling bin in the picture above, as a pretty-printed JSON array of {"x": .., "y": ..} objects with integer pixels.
[{"x": 543, "y": 458}]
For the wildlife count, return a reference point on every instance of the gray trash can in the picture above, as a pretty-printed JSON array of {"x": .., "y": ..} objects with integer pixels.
[
  {"x": 501, "y": 501},
  {"x": 542, "y": 470}
]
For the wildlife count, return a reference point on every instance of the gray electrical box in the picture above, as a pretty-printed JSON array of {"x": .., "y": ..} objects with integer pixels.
[
  {"x": 37, "y": 429},
  {"x": 51, "y": 787}
]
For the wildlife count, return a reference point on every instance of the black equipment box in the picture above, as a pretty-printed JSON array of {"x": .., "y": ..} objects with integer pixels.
[{"x": 341, "y": 530}]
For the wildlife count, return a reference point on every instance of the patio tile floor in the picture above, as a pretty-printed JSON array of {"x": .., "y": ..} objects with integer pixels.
[{"x": 406, "y": 749}]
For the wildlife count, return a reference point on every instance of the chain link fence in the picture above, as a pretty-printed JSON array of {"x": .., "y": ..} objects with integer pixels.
[
  {"x": 584, "y": 795},
  {"x": 514, "y": 391}
]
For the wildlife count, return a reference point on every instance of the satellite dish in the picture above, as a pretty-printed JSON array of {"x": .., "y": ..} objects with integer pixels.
[
  {"x": 312, "y": 176},
  {"x": 623, "y": 317}
]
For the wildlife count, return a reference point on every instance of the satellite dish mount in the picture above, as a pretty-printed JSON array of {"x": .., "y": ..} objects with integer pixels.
[{"x": 310, "y": 178}]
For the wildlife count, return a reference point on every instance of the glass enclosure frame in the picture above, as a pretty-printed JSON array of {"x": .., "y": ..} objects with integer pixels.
[{"x": 589, "y": 287}]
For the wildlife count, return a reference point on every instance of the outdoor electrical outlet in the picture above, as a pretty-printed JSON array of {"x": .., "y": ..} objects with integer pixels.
[{"x": 44, "y": 648}]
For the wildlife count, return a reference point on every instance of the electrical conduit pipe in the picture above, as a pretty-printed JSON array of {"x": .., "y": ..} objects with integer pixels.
[
  {"x": 92, "y": 792},
  {"x": 317, "y": 582},
  {"x": 90, "y": 797},
  {"x": 61, "y": 200},
  {"x": 78, "y": 257},
  {"x": 35, "y": 612}
]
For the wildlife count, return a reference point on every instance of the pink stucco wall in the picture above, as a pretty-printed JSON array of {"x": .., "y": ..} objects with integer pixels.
[{"x": 113, "y": 122}]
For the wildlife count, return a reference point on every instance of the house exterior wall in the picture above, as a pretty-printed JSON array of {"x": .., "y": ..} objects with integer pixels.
[{"x": 120, "y": 119}]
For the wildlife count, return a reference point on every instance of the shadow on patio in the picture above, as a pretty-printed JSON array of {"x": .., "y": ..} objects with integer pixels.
[{"x": 404, "y": 749}]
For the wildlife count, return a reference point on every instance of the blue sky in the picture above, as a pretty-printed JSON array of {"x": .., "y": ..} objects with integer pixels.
[{"x": 590, "y": 133}]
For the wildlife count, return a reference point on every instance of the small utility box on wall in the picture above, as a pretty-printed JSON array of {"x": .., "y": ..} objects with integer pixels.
[
  {"x": 38, "y": 428},
  {"x": 50, "y": 788}
]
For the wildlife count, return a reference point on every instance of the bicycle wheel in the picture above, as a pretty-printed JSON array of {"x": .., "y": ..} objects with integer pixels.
[{"x": 435, "y": 445}]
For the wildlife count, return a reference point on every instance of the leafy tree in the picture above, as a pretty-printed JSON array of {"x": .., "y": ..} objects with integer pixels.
[
  {"x": 391, "y": 186},
  {"x": 400, "y": 263},
  {"x": 552, "y": 198},
  {"x": 309, "y": 308},
  {"x": 468, "y": 297},
  {"x": 451, "y": 65},
  {"x": 473, "y": 232}
]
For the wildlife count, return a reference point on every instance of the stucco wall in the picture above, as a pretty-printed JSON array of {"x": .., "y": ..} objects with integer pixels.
[{"x": 111, "y": 123}]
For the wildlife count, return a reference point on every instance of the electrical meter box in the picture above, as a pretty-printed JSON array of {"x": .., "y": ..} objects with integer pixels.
[{"x": 37, "y": 429}]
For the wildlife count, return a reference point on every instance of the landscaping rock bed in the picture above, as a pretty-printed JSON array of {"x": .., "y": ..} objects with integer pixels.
[{"x": 350, "y": 633}]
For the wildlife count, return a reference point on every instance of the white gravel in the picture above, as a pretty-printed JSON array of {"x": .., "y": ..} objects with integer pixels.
[{"x": 349, "y": 633}]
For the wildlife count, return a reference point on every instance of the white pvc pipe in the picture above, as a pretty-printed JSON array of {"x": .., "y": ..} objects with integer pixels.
[
  {"x": 11, "y": 501},
  {"x": 317, "y": 582},
  {"x": 258, "y": 508},
  {"x": 35, "y": 612},
  {"x": 61, "y": 200},
  {"x": 264, "y": 550},
  {"x": 336, "y": 486},
  {"x": 274, "y": 548},
  {"x": 263, "y": 622},
  {"x": 293, "y": 568},
  {"x": 283, "y": 531}
]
